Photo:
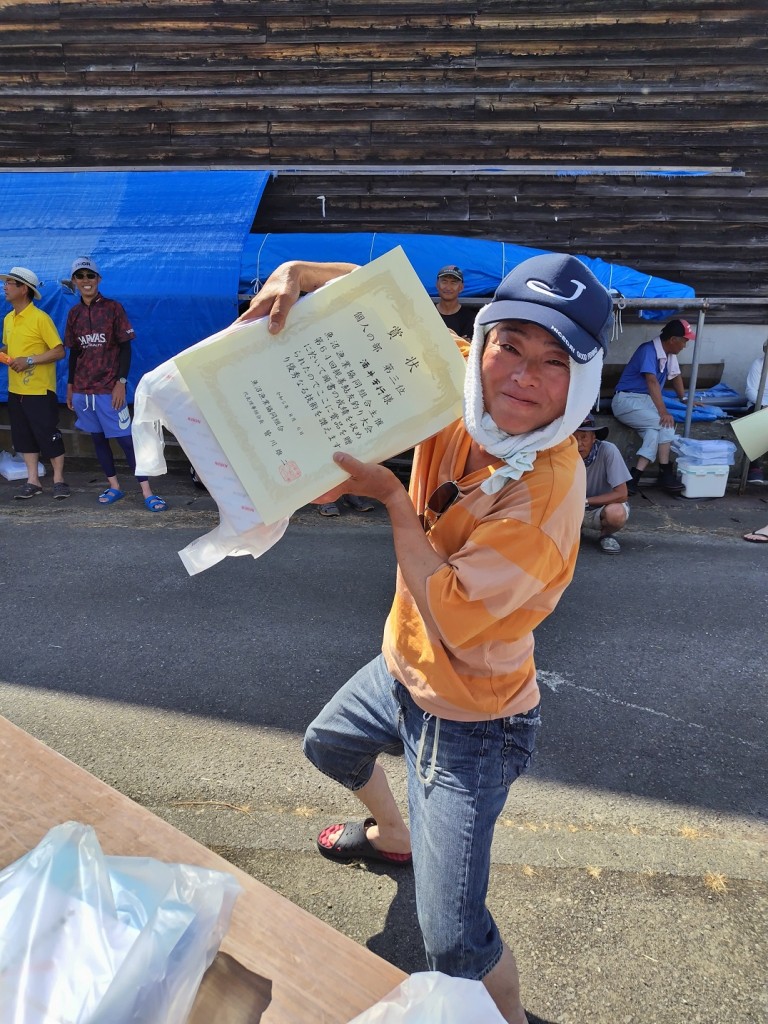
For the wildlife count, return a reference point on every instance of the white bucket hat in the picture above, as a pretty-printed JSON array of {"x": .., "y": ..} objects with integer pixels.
[{"x": 24, "y": 276}]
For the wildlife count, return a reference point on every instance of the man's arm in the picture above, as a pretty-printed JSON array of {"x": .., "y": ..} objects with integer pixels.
[
  {"x": 285, "y": 285},
  {"x": 73, "y": 357},
  {"x": 753, "y": 382},
  {"x": 618, "y": 494},
  {"x": 74, "y": 352},
  {"x": 51, "y": 355},
  {"x": 678, "y": 386},
  {"x": 654, "y": 391},
  {"x": 123, "y": 366},
  {"x": 679, "y": 389}
]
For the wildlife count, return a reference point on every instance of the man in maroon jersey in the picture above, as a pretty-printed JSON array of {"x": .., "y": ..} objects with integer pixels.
[{"x": 99, "y": 335}]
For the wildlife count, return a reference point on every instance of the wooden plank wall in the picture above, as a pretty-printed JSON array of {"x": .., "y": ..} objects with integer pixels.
[{"x": 467, "y": 88}]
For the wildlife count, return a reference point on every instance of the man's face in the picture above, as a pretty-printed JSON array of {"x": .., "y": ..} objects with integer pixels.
[
  {"x": 13, "y": 291},
  {"x": 525, "y": 375},
  {"x": 449, "y": 287},
  {"x": 87, "y": 283},
  {"x": 676, "y": 345},
  {"x": 585, "y": 439}
]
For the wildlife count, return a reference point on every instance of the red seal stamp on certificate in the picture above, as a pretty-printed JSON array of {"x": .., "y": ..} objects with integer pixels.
[{"x": 289, "y": 471}]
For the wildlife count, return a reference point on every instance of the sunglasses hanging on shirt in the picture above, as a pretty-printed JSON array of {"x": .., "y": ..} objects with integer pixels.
[{"x": 439, "y": 501}]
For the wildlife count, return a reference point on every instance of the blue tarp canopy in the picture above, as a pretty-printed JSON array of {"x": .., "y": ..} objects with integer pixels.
[
  {"x": 168, "y": 244},
  {"x": 484, "y": 263},
  {"x": 174, "y": 248}
]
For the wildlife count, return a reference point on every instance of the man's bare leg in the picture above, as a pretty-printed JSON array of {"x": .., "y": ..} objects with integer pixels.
[
  {"x": 503, "y": 984},
  {"x": 31, "y": 461},
  {"x": 57, "y": 465},
  {"x": 390, "y": 833},
  {"x": 612, "y": 518}
]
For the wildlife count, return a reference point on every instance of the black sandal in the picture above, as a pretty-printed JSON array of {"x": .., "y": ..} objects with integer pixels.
[{"x": 353, "y": 844}]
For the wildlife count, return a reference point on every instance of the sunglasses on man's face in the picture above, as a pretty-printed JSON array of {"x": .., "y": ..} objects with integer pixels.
[
  {"x": 84, "y": 275},
  {"x": 439, "y": 501}
]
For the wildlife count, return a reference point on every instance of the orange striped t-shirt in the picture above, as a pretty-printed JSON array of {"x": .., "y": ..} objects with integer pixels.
[{"x": 509, "y": 556}]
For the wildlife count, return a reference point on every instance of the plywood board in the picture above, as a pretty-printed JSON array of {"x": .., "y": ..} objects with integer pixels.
[{"x": 279, "y": 964}]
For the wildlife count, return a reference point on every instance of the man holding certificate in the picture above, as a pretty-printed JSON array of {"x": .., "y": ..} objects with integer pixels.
[{"x": 486, "y": 543}]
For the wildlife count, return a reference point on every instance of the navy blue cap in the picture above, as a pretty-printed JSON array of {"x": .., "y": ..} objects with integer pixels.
[{"x": 560, "y": 294}]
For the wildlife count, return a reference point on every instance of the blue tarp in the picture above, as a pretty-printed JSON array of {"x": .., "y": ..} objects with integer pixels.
[
  {"x": 168, "y": 244},
  {"x": 484, "y": 263},
  {"x": 174, "y": 248},
  {"x": 699, "y": 413},
  {"x": 716, "y": 403}
]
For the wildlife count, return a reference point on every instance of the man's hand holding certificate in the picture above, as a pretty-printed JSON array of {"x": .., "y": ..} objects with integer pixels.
[{"x": 363, "y": 365}]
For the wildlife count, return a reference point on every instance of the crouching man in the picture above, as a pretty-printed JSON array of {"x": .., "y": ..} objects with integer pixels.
[{"x": 607, "y": 508}]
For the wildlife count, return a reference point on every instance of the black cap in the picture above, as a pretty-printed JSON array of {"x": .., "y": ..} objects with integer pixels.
[{"x": 452, "y": 272}]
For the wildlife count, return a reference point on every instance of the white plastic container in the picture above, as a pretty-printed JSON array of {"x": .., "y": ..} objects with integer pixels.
[
  {"x": 13, "y": 467},
  {"x": 702, "y": 481},
  {"x": 704, "y": 453}
]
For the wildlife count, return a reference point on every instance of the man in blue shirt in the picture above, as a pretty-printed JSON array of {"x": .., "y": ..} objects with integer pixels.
[{"x": 638, "y": 401}]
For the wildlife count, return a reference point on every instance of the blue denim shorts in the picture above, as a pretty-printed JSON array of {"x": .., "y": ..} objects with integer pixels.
[{"x": 459, "y": 774}]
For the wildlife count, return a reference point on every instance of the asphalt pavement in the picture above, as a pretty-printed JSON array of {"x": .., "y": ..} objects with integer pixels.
[{"x": 629, "y": 866}]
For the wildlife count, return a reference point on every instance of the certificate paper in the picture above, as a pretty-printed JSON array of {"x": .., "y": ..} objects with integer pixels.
[
  {"x": 752, "y": 432},
  {"x": 364, "y": 365}
]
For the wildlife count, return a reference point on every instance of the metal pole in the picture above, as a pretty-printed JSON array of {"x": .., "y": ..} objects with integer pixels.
[
  {"x": 694, "y": 374},
  {"x": 707, "y": 303}
]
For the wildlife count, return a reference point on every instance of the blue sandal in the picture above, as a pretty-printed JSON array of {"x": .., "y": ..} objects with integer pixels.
[
  {"x": 110, "y": 496},
  {"x": 156, "y": 504}
]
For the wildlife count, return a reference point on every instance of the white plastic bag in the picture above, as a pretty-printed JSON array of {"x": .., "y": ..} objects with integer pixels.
[
  {"x": 89, "y": 939},
  {"x": 433, "y": 998},
  {"x": 716, "y": 452},
  {"x": 13, "y": 467},
  {"x": 163, "y": 399}
]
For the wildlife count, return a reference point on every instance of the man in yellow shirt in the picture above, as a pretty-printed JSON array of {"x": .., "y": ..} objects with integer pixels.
[{"x": 33, "y": 347}]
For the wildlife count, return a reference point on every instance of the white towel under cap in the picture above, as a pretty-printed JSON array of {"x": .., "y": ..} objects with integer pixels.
[{"x": 519, "y": 451}]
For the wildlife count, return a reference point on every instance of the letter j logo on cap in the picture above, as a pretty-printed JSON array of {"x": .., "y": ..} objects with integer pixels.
[{"x": 544, "y": 289}]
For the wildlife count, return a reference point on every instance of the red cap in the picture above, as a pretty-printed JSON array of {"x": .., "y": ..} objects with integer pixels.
[{"x": 678, "y": 329}]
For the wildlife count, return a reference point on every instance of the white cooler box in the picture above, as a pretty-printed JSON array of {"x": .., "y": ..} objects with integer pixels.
[{"x": 702, "y": 481}]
